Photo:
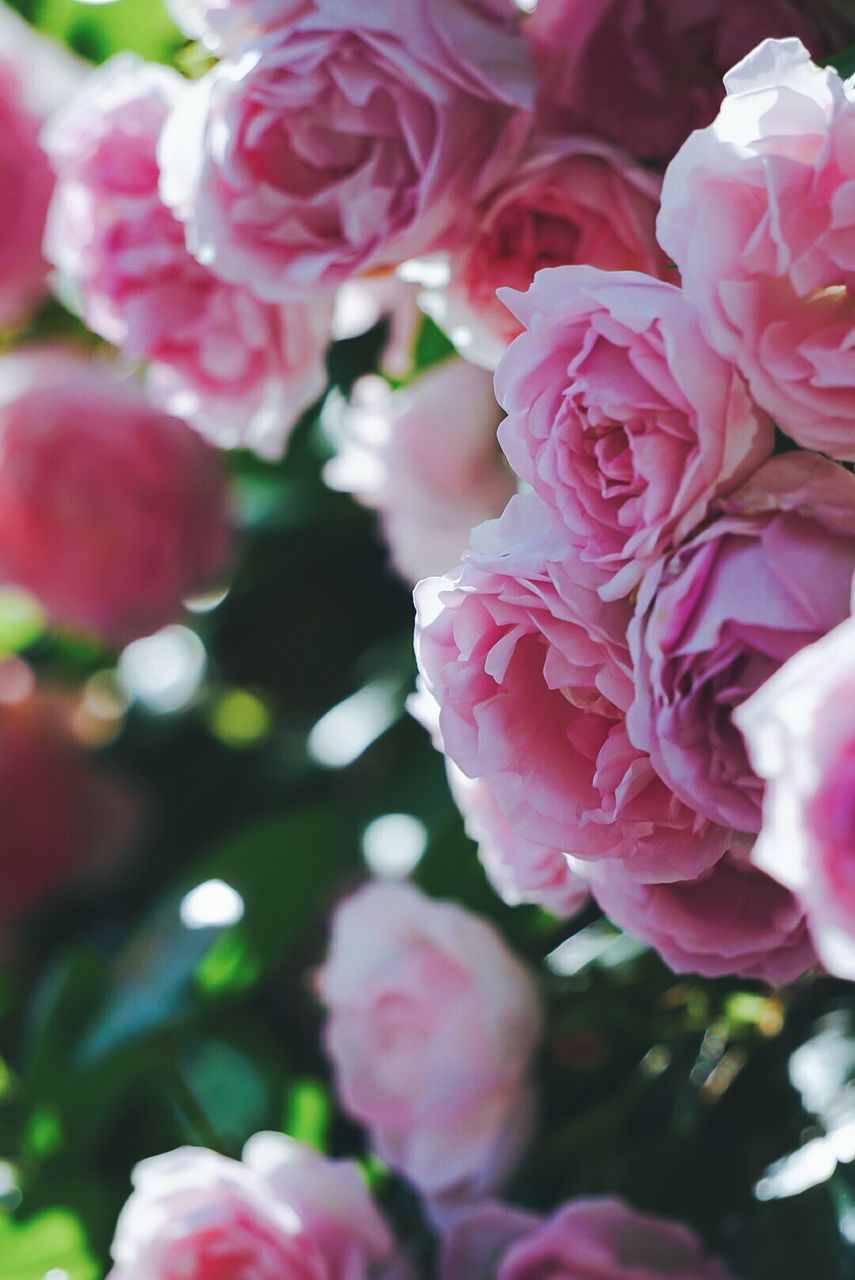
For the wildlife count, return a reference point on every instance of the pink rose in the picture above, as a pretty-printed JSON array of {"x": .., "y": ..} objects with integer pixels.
[
  {"x": 346, "y": 142},
  {"x": 283, "y": 1213},
  {"x": 242, "y": 371},
  {"x": 769, "y": 575},
  {"x": 530, "y": 672},
  {"x": 110, "y": 511},
  {"x": 733, "y": 919},
  {"x": 64, "y": 818},
  {"x": 605, "y": 1239},
  {"x": 27, "y": 187},
  {"x": 800, "y": 729},
  {"x": 758, "y": 211},
  {"x": 648, "y": 72},
  {"x": 519, "y": 870},
  {"x": 426, "y": 458},
  {"x": 573, "y": 200},
  {"x": 621, "y": 417},
  {"x": 431, "y": 1030},
  {"x": 474, "y": 1237}
]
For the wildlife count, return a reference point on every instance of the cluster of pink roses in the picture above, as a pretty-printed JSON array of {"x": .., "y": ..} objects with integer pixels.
[
  {"x": 591, "y": 656},
  {"x": 432, "y": 1025}
]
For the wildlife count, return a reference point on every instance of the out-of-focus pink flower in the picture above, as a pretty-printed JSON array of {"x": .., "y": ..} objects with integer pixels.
[
  {"x": 530, "y": 672},
  {"x": 432, "y": 1026},
  {"x": 769, "y": 575},
  {"x": 758, "y": 211},
  {"x": 518, "y": 870},
  {"x": 648, "y": 72},
  {"x": 605, "y": 1239},
  {"x": 111, "y": 512},
  {"x": 345, "y": 143},
  {"x": 573, "y": 200},
  {"x": 621, "y": 417},
  {"x": 242, "y": 371},
  {"x": 284, "y": 1211},
  {"x": 65, "y": 820},
  {"x": 800, "y": 730},
  {"x": 426, "y": 458},
  {"x": 27, "y": 185},
  {"x": 474, "y": 1236},
  {"x": 732, "y": 919}
]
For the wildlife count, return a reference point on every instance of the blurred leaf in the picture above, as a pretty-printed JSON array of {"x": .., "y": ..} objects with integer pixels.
[
  {"x": 97, "y": 31},
  {"x": 50, "y": 1241},
  {"x": 308, "y": 1113}
]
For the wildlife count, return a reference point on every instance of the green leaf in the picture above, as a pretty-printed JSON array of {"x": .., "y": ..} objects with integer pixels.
[
  {"x": 50, "y": 1241},
  {"x": 99, "y": 31}
]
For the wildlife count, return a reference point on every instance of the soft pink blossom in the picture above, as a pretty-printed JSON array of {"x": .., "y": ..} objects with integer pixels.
[
  {"x": 621, "y": 417},
  {"x": 65, "y": 819},
  {"x": 474, "y": 1236},
  {"x": 800, "y": 730},
  {"x": 530, "y": 672},
  {"x": 27, "y": 184},
  {"x": 758, "y": 211},
  {"x": 111, "y": 512},
  {"x": 282, "y": 1213},
  {"x": 431, "y": 1029},
  {"x": 345, "y": 142},
  {"x": 426, "y": 458},
  {"x": 573, "y": 200},
  {"x": 732, "y": 919},
  {"x": 770, "y": 574},
  {"x": 519, "y": 870},
  {"x": 647, "y": 72},
  {"x": 605, "y": 1239},
  {"x": 240, "y": 370}
]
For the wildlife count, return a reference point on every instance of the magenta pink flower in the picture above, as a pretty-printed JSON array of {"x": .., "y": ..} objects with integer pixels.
[
  {"x": 769, "y": 575},
  {"x": 240, "y": 370},
  {"x": 283, "y": 1213},
  {"x": 573, "y": 200},
  {"x": 605, "y": 1239},
  {"x": 431, "y": 1029},
  {"x": 345, "y": 142},
  {"x": 530, "y": 673},
  {"x": 732, "y": 919},
  {"x": 65, "y": 819},
  {"x": 110, "y": 511},
  {"x": 800, "y": 730},
  {"x": 27, "y": 185},
  {"x": 426, "y": 458},
  {"x": 647, "y": 72},
  {"x": 621, "y": 417},
  {"x": 758, "y": 211}
]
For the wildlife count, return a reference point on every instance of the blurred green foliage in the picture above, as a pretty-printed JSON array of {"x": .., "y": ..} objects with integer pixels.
[{"x": 124, "y": 1033}]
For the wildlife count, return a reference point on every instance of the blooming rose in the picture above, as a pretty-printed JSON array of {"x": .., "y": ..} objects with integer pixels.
[
  {"x": 621, "y": 416},
  {"x": 604, "y": 1239},
  {"x": 519, "y": 870},
  {"x": 431, "y": 1030},
  {"x": 648, "y": 72},
  {"x": 283, "y": 1213},
  {"x": 573, "y": 200},
  {"x": 758, "y": 211},
  {"x": 800, "y": 729},
  {"x": 110, "y": 511},
  {"x": 426, "y": 458},
  {"x": 475, "y": 1235},
  {"x": 240, "y": 370},
  {"x": 769, "y": 575},
  {"x": 530, "y": 672},
  {"x": 344, "y": 143},
  {"x": 733, "y": 919},
  {"x": 64, "y": 818}
]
